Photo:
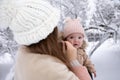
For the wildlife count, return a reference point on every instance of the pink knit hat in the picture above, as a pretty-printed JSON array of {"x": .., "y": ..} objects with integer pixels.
[{"x": 72, "y": 26}]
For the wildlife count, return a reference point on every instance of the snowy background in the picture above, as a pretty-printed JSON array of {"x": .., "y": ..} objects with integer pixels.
[
  {"x": 107, "y": 60},
  {"x": 100, "y": 19}
]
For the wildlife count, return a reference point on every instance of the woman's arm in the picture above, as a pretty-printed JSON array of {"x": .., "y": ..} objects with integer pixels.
[
  {"x": 79, "y": 70},
  {"x": 76, "y": 67}
]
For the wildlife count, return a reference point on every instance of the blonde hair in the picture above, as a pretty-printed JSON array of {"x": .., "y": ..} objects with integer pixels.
[{"x": 51, "y": 46}]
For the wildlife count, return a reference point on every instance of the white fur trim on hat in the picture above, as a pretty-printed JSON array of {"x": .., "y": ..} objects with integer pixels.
[{"x": 34, "y": 21}]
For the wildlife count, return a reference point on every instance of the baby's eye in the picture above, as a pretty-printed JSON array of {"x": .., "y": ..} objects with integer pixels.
[
  {"x": 79, "y": 37},
  {"x": 71, "y": 37}
]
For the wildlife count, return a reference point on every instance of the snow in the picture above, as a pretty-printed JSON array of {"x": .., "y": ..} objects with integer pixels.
[
  {"x": 90, "y": 10},
  {"x": 6, "y": 58},
  {"x": 6, "y": 63},
  {"x": 94, "y": 31},
  {"x": 107, "y": 61}
]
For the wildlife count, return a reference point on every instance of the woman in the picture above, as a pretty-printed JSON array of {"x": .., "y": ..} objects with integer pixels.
[{"x": 41, "y": 56}]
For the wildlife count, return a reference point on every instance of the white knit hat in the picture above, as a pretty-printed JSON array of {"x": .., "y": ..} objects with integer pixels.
[{"x": 34, "y": 21}]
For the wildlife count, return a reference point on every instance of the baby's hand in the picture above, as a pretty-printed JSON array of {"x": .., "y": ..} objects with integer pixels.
[{"x": 94, "y": 74}]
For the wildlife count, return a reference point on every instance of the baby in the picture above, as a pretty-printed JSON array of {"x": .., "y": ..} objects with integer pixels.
[{"x": 73, "y": 32}]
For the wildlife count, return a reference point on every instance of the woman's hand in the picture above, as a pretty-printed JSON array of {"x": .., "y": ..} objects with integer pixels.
[
  {"x": 71, "y": 51},
  {"x": 79, "y": 70}
]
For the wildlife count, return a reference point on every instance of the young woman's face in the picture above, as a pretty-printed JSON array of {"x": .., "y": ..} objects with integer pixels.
[{"x": 76, "y": 39}]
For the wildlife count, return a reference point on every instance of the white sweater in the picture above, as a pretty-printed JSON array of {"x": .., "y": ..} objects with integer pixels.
[{"x": 33, "y": 66}]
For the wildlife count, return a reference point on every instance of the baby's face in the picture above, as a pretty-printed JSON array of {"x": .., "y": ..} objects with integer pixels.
[{"x": 76, "y": 39}]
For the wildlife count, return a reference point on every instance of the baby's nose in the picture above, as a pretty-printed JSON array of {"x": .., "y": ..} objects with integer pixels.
[{"x": 76, "y": 39}]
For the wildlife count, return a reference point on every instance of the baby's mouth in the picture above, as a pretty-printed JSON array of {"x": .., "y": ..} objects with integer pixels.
[{"x": 75, "y": 44}]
